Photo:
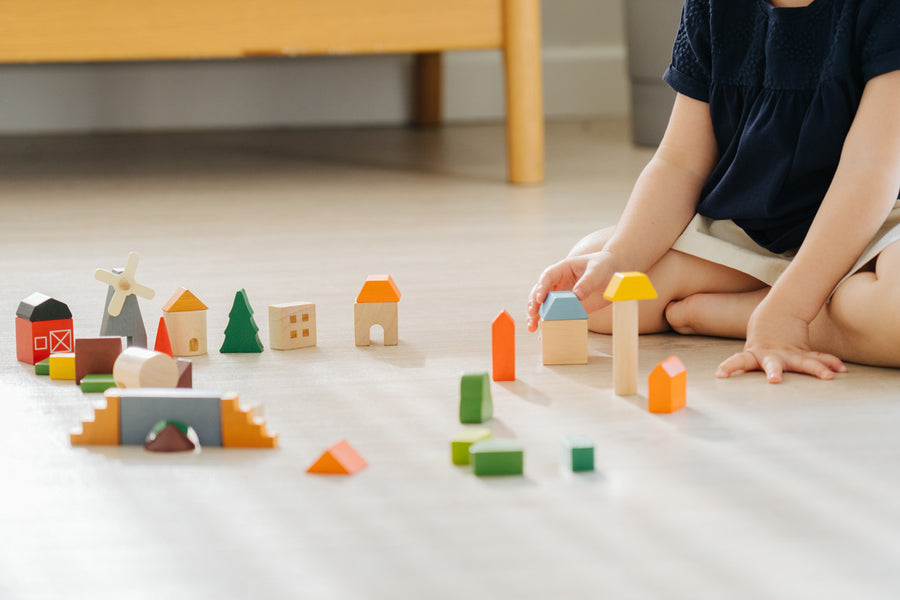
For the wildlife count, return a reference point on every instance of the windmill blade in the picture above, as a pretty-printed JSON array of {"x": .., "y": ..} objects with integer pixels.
[
  {"x": 116, "y": 303},
  {"x": 142, "y": 290},
  {"x": 106, "y": 277},
  {"x": 131, "y": 265}
]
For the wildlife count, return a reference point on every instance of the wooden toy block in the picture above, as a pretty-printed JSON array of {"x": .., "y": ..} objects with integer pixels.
[
  {"x": 459, "y": 445},
  {"x": 185, "y": 317},
  {"x": 496, "y": 456},
  {"x": 624, "y": 291},
  {"x": 141, "y": 368},
  {"x": 503, "y": 347},
  {"x": 367, "y": 314},
  {"x": 292, "y": 325},
  {"x": 62, "y": 366},
  {"x": 104, "y": 429},
  {"x": 242, "y": 332},
  {"x": 564, "y": 342},
  {"x": 96, "y": 356},
  {"x": 379, "y": 288},
  {"x": 475, "y": 403},
  {"x": 562, "y": 306},
  {"x": 43, "y": 327},
  {"x": 340, "y": 459},
  {"x": 163, "y": 344},
  {"x": 169, "y": 436},
  {"x": 667, "y": 386},
  {"x": 43, "y": 367},
  {"x": 185, "y": 373},
  {"x": 122, "y": 314},
  {"x": 97, "y": 383},
  {"x": 240, "y": 429},
  {"x": 578, "y": 453}
]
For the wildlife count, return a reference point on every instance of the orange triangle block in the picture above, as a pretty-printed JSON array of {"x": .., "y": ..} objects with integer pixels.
[
  {"x": 163, "y": 343},
  {"x": 340, "y": 459}
]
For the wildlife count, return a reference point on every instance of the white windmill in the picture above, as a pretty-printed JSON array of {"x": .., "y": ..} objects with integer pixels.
[{"x": 122, "y": 315}]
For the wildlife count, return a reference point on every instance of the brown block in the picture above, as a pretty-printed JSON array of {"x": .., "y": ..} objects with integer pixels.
[{"x": 96, "y": 356}]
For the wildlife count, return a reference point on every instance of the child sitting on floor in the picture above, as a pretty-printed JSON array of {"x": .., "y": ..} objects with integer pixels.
[{"x": 770, "y": 209}]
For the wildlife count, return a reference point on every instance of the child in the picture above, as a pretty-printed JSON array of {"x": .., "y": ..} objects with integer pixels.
[{"x": 770, "y": 209}]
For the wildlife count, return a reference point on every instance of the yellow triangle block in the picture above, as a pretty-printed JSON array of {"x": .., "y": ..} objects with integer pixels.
[
  {"x": 183, "y": 300},
  {"x": 379, "y": 288},
  {"x": 632, "y": 285},
  {"x": 340, "y": 459}
]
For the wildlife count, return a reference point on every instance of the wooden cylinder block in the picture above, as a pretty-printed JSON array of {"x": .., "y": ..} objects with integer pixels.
[{"x": 142, "y": 368}]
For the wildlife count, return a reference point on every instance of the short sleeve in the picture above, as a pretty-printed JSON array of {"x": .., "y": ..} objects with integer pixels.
[
  {"x": 689, "y": 72},
  {"x": 878, "y": 32}
]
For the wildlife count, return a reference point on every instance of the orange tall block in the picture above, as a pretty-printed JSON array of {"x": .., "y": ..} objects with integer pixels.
[
  {"x": 667, "y": 386},
  {"x": 163, "y": 343},
  {"x": 503, "y": 347},
  {"x": 240, "y": 429},
  {"x": 103, "y": 430},
  {"x": 340, "y": 459}
]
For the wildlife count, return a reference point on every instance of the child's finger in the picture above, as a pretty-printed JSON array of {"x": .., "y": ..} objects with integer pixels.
[{"x": 742, "y": 361}]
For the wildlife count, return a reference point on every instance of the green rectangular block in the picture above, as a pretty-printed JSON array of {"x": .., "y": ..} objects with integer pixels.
[
  {"x": 43, "y": 367},
  {"x": 475, "y": 404},
  {"x": 94, "y": 384},
  {"x": 497, "y": 457},
  {"x": 459, "y": 445},
  {"x": 578, "y": 453}
]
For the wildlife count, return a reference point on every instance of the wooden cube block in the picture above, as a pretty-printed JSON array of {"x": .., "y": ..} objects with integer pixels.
[
  {"x": 460, "y": 444},
  {"x": 565, "y": 342},
  {"x": 475, "y": 404},
  {"x": 497, "y": 457},
  {"x": 578, "y": 453},
  {"x": 62, "y": 366},
  {"x": 292, "y": 325}
]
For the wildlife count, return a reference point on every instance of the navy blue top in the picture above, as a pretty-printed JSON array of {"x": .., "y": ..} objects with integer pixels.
[{"x": 783, "y": 86}]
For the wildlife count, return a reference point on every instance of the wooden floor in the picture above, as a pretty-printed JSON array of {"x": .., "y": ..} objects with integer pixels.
[{"x": 752, "y": 491}]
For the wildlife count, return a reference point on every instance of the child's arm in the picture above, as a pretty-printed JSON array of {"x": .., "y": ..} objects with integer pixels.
[
  {"x": 861, "y": 195},
  {"x": 662, "y": 203}
]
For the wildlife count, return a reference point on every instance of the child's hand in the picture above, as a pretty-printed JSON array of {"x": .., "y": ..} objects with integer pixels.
[
  {"x": 586, "y": 275},
  {"x": 777, "y": 342}
]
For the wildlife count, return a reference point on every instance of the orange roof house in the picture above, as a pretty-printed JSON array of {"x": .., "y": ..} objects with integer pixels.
[{"x": 185, "y": 318}]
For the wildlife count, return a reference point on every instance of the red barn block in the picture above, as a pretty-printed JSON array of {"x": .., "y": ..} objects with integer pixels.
[
  {"x": 667, "y": 386},
  {"x": 43, "y": 327},
  {"x": 96, "y": 356}
]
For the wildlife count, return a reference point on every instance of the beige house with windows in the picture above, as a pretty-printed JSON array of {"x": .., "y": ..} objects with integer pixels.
[{"x": 292, "y": 325}]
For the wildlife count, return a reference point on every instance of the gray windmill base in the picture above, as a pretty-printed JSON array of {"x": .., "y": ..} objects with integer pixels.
[{"x": 129, "y": 324}]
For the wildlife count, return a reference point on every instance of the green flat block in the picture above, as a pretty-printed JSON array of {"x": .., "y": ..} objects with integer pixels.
[
  {"x": 497, "y": 457},
  {"x": 475, "y": 405},
  {"x": 43, "y": 367},
  {"x": 97, "y": 384},
  {"x": 459, "y": 445},
  {"x": 578, "y": 453}
]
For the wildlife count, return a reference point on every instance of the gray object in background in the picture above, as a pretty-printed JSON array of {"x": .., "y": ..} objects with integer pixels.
[{"x": 650, "y": 27}]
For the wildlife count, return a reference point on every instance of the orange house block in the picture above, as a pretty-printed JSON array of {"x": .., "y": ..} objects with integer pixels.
[
  {"x": 667, "y": 386},
  {"x": 340, "y": 459},
  {"x": 503, "y": 347}
]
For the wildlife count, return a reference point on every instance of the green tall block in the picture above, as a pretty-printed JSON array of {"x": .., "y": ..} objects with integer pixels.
[
  {"x": 242, "y": 332},
  {"x": 459, "y": 445},
  {"x": 475, "y": 405},
  {"x": 578, "y": 453},
  {"x": 497, "y": 457}
]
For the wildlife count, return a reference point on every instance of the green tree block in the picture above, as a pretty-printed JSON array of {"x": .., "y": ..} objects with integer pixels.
[
  {"x": 459, "y": 445},
  {"x": 475, "y": 405},
  {"x": 578, "y": 452},
  {"x": 242, "y": 333},
  {"x": 97, "y": 384},
  {"x": 497, "y": 457},
  {"x": 43, "y": 367}
]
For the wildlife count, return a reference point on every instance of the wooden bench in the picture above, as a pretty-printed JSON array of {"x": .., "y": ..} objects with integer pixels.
[{"x": 125, "y": 30}]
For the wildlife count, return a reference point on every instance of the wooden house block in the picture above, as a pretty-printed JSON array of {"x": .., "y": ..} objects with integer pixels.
[
  {"x": 497, "y": 457},
  {"x": 624, "y": 291},
  {"x": 379, "y": 288},
  {"x": 96, "y": 356},
  {"x": 185, "y": 317},
  {"x": 564, "y": 342},
  {"x": 62, "y": 366},
  {"x": 475, "y": 402},
  {"x": 503, "y": 347},
  {"x": 578, "y": 453},
  {"x": 667, "y": 386},
  {"x": 292, "y": 325},
  {"x": 340, "y": 459},
  {"x": 141, "y": 368},
  {"x": 43, "y": 327},
  {"x": 459, "y": 445},
  {"x": 368, "y": 314}
]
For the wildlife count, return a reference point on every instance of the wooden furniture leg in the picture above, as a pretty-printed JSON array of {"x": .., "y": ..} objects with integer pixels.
[
  {"x": 428, "y": 84},
  {"x": 524, "y": 99}
]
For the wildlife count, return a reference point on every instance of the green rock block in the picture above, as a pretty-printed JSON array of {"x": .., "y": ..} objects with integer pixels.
[
  {"x": 475, "y": 405},
  {"x": 97, "y": 384},
  {"x": 497, "y": 457},
  {"x": 43, "y": 367},
  {"x": 578, "y": 453},
  {"x": 459, "y": 445}
]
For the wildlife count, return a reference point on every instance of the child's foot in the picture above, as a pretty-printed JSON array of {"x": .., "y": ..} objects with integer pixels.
[{"x": 718, "y": 315}]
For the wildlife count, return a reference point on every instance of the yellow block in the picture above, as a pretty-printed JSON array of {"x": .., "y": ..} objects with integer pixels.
[
  {"x": 62, "y": 366},
  {"x": 632, "y": 285}
]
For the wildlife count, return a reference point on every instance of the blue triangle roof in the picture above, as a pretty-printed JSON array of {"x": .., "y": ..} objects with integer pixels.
[{"x": 562, "y": 306}]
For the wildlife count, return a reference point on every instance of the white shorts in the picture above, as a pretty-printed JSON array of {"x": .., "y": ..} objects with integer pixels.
[{"x": 725, "y": 243}]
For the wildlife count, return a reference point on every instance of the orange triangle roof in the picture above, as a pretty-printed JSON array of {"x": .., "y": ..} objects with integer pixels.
[
  {"x": 340, "y": 459},
  {"x": 379, "y": 288},
  {"x": 183, "y": 300}
]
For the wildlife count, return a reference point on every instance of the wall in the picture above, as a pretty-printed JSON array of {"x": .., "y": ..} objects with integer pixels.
[{"x": 584, "y": 75}]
